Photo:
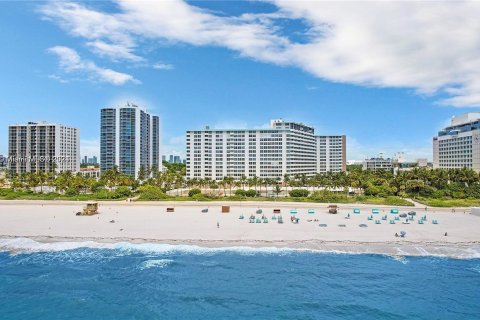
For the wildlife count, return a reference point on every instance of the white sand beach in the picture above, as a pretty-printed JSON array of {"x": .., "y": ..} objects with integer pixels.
[{"x": 150, "y": 223}]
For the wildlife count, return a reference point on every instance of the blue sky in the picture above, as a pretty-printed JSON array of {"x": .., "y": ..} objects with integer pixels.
[{"x": 381, "y": 74}]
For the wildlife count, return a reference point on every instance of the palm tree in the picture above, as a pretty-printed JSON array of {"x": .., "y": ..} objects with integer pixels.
[
  {"x": 243, "y": 180},
  {"x": 286, "y": 181}
]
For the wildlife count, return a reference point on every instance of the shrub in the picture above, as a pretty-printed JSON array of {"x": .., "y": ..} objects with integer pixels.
[
  {"x": 151, "y": 193},
  {"x": 205, "y": 197},
  {"x": 71, "y": 192},
  {"x": 240, "y": 192},
  {"x": 251, "y": 193},
  {"x": 298, "y": 193},
  {"x": 122, "y": 192},
  {"x": 103, "y": 194},
  {"x": 328, "y": 196},
  {"x": 193, "y": 192}
]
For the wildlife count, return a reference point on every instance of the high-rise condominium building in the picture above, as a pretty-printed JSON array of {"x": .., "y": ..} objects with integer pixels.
[
  {"x": 129, "y": 139},
  {"x": 458, "y": 145},
  {"x": 286, "y": 148},
  {"x": 331, "y": 151},
  {"x": 43, "y": 147}
]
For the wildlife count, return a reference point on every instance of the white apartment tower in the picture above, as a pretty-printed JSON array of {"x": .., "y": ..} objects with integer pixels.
[
  {"x": 458, "y": 145},
  {"x": 286, "y": 148},
  {"x": 43, "y": 147},
  {"x": 129, "y": 139},
  {"x": 331, "y": 151}
]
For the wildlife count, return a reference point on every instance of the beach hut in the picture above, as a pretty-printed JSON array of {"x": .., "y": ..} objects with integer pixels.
[
  {"x": 225, "y": 209},
  {"x": 90, "y": 208}
]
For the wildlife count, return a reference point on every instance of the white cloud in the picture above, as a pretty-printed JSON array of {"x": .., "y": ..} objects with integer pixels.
[
  {"x": 71, "y": 62},
  {"x": 430, "y": 47},
  {"x": 175, "y": 146},
  {"x": 113, "y": 51},
  {"x": 358, "y": 151},
  {"x": 163, "y": 66},
  {"x": 90, "y": 148}
]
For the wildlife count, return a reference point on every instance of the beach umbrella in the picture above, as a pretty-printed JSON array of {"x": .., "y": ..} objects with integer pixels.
[
  {"x": 403, "y": 215},
  {"x": 412, "y": 213}
]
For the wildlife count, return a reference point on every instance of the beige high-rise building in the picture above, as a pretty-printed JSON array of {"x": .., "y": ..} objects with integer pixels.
[{"x": 44, "y": 147}]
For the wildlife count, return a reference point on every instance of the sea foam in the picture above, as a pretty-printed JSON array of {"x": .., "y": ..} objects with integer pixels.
[{"x": 26, "y": 245}]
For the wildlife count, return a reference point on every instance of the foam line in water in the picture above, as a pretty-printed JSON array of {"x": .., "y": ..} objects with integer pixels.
[{"x": 26, "y": 245}]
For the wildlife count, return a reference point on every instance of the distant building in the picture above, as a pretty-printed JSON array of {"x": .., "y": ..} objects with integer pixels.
[
  {"x": 92, "y": 161},
  {"x": 44, "y": 147},
  {"x": 90, "y": 172},
  {"x": 164, "y": 158},
  {"x": 458, "y": 145},
  {"x": 176, "y": 159},
  {"x": 286, "y": 148},
  {"x": 379, "y": 163},
  {"x": 423, "y": 162},
  {"x": 129, "y": 139},
  {"x": 399, "y": 158},
  {"x": 3, "y": 162},
  {"x": 170, "y": 159}
]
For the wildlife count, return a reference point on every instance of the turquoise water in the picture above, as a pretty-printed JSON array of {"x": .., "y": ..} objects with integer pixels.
[{"x": 167, "y": 282}]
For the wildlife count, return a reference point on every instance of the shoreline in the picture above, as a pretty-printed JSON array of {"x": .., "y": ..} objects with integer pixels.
[{"x": 463, "y": 250}]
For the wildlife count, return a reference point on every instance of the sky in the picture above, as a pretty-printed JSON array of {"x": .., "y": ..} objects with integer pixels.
[{"x": 388, "y": 75}]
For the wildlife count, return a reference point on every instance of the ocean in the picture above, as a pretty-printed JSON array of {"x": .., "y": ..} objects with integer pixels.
[{"x": 154, "y": 281}]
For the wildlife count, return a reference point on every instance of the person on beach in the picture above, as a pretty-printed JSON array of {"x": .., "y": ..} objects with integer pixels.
[
  {"x": 218, "y": 225},
  {"x": 446, "y": 234}
]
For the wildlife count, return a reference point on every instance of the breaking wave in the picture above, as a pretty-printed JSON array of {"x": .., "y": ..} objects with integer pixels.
[{"x": 26, "y": 245}]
